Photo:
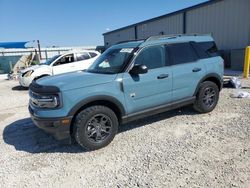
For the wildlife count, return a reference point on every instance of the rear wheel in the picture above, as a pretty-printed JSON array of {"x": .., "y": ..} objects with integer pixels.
[
  {"x": 207, "y": 97},
  {"x": 95, "y": 127}
]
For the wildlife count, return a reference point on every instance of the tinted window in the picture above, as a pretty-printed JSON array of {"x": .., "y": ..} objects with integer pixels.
[
  {"x": 82, "y": 56},
  {"x": 209, "y": 47},
  {"x": 92, "y": 54},
  {"x": 181, "y": 53},
  {"x": 152, "y": 57},
  {"x": 205, "y": 49}
]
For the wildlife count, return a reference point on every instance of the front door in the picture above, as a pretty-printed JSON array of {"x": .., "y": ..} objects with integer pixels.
[
  {"x": 153, "y": 88},
  {"x": 64, "y": 64}
]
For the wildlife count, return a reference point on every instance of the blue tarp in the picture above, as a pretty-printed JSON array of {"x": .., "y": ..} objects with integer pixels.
[{"x": 13, "y": 44}]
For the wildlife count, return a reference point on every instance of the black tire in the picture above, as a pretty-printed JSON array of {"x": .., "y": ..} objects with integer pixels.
[
  {"x": 93, "y": 122},
  {"x": 207, "y": 97}
]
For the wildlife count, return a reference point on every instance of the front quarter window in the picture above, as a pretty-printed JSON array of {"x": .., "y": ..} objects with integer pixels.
[
  {"x": 51, "y": 60},
  {"x": 112, "y": 61}
]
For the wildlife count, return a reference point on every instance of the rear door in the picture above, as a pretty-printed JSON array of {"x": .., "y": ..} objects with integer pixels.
[
  {"x": 152, "y": 89},
  {"x": 187, "y": 69}
]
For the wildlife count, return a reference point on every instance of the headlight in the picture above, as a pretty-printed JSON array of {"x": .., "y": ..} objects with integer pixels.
[
  {"x": 45, "y": 101},
  {"x": 28, "y": 73}
]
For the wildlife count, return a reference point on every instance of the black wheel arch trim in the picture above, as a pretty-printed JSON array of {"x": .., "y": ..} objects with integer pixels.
[
  {"x": 92, "y": 99},
  {"x": 41, "y": 76},
  {"x": 211, "y": 75}
]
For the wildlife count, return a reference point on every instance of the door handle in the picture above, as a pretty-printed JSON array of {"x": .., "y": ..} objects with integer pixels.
[
  {"x": 162, "y": 76},
  {"x": 196, "y": 69}
]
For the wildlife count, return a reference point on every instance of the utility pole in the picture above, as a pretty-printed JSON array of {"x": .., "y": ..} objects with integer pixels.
[{"x": 39, "y": 49}]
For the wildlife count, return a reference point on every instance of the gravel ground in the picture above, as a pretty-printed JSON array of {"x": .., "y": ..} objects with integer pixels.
[{"x": 180, "y": 148}]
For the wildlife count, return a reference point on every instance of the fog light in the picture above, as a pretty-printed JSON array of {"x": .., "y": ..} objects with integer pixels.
[{"x": 65, "y": 121}]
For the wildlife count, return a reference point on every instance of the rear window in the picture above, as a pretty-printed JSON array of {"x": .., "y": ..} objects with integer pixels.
[
  {"x": 82, "y": 56},
  {"x": 181, "y": 53},
  {"x": 205, "y": 49}
]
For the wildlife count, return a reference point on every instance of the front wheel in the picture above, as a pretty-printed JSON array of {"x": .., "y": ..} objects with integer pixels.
[
  {"x": 95, "y": 127},
  {"x": 207, "y": 97}
]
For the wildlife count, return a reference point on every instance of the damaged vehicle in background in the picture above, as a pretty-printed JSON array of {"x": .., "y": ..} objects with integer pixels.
[{"x": 67, "y": 62}]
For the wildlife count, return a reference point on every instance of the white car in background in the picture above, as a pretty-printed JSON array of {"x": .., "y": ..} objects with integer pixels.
[{"x": 68, "y": 62}]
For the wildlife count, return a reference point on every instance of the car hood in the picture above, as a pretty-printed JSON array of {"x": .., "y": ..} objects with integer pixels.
[
  {"x": 76, "y": 80},
  {"x": 34, "y": 67}
]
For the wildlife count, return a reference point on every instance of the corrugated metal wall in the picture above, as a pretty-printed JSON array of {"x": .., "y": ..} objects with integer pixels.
[
  {"x": 122, "y": 35},
  {"x": 167, "y": 25},
  {"x": 228, "y": 21}
]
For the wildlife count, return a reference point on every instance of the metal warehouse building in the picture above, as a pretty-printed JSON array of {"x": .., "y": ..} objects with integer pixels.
[{"x": 227, "y": 20}]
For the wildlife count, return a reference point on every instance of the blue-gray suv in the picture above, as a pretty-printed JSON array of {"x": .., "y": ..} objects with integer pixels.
[{"x": 128, "y": 81}]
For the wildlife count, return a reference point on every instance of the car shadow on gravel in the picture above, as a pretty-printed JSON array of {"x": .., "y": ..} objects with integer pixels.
[
  {"x": 25, "y": 136},
  {"x": 20, "y": 88}
]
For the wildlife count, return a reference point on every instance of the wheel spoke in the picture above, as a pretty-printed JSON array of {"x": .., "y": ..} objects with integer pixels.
[
  {"x": 94, "y": 120},
  {"x": 211, "y": 103},
  {"x": 206, "y": 102},
  {"x": 104, "y": 120},
  {"x": 91, "y": 133},
  {"x": 98, "y": 136},
  {"x": 211, "y": 96},
  {"x": 104, "y": 129}
]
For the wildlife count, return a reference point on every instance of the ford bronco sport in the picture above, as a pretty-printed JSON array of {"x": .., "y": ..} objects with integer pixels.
[{"x": 128, "y": 81}]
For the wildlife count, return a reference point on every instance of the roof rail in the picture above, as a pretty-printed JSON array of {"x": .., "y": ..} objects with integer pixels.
[
  {"x": 173, "y": 36},
  {"x": 133, "y": 40}
]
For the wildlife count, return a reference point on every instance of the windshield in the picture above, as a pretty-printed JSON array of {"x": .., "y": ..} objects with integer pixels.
[
  {"x": 49, "y": 61},
  {"x": 111, "y": 61}
]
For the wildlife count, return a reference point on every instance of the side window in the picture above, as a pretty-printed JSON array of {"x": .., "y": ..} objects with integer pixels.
[
  {"x": 82, "y": 56},
  {"x": 199, "y": 50},
  {"x": 92, "y": 54},
  {"x": 181, "y": 53},
  {"x": 153, "y": 57},
  {"x": 65, "y": 59},
  {"x": 205, "y": 49}
]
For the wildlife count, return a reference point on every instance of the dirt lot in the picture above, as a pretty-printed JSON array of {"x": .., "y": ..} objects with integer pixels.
[{"x": 180, "y": 148}]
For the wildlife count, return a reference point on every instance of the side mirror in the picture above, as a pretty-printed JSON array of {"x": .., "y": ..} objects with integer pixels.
[{"x": 139, "y": 69}]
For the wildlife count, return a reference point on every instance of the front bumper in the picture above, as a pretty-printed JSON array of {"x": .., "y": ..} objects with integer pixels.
[
  {"x": 24, "y": 81},
  {"x": 58, "y": 127}
]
